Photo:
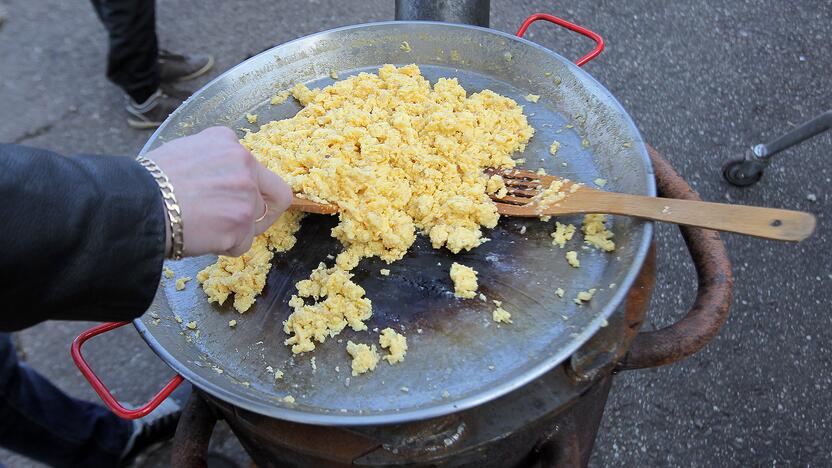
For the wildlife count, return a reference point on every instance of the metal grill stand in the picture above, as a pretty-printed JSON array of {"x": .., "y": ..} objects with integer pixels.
[{"x": 552, "y": 422}]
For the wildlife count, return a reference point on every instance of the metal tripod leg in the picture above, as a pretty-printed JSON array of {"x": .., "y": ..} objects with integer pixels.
[{"x": 748, "y": 170}]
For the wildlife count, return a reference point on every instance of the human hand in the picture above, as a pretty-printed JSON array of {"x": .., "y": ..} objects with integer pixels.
[{"x": 221, "y": 190}]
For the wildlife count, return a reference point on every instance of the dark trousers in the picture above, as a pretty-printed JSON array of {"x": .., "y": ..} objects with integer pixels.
[
  {"x": 132, "y": 59},
  {"x": 41, "y": 422}
]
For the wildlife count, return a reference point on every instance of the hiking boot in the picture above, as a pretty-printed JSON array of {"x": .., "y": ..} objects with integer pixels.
[
  {"x": 151, "y": 113},
  {"x": 177, "y": 67},
  {"x": 151, "y": 431}
]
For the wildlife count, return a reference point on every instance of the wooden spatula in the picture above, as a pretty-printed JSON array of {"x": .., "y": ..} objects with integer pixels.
[
  {"x": 523, "y": 186},
  {"x": 768, "y": 223}
]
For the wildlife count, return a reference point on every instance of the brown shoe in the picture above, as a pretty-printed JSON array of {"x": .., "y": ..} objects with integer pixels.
[
  {"x": 177, "y": 67},
  {"x": 151, "y": 113}
]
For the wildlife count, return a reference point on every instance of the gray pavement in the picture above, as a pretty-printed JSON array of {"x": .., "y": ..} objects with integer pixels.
[{"x": 702, "y": 79}]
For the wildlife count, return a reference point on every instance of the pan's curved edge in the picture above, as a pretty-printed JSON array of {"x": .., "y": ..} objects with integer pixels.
[{"x": 286, "y": 412}]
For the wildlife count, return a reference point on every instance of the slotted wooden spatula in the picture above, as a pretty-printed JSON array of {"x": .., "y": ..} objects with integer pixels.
[
  {"x": 768, "y": 223},
  {"x": 523, "y": 186}
]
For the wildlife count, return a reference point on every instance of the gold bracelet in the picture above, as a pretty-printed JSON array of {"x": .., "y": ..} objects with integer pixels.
[{"x": 177, "y": 240}]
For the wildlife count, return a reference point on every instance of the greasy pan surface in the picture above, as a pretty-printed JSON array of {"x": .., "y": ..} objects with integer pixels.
[{"x": 458, "y": 356}]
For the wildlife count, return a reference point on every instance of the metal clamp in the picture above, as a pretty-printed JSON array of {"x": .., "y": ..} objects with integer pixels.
[
  {"x": 749, "y": 169},
  {"x": 599, "y": 41},
  {"x": 102, "y": 389},
  {"x": 713, "y": 299}
]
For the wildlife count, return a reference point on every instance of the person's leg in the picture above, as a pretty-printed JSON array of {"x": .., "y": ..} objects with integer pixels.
[
  {"x": 132, "y": 62},
  {"x": 139, "y": 67},
  {"x": 41, "y": 422}
]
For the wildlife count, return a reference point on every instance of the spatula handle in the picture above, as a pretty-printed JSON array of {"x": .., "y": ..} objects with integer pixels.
[{"x": 767, "y": 223}]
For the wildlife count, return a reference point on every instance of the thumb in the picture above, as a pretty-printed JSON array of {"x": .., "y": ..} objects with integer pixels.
[{"x": 276, "y": 194}]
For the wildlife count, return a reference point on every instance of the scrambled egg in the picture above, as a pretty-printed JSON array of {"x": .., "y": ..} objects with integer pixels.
[
  {"x": 496, "y": 186},
  {"x": 560, "y": 292},
  {"x": 396, "y": 155},
  {"x": 532, "y": 97},
  {"x": 364, "y": 358},
  {"x": 395, "y": 343},
  {"x": 596, "y": 234},
  {"x": 562, "y": 234},
  {"x": 551, "y": 195},
  {"x": 572, "y": 259},
  {"x": 280, "y": 98},
  {"x": 167, "y": 272},
  {"x": 584, "y": 296},
  {"x": 501, "y": 315},
  {"x": 245, "y": 275},
  {"x": 252, "y": 118},
  {"x": 180, "y": 283},
  {"x": 465, "y": 281},
  {"x": 338, "y": 302},
  {"x": 553, "y": 150}
]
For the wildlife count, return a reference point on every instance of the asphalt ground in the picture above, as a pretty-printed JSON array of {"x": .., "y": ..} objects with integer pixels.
[{"x": 703, "y": 81}]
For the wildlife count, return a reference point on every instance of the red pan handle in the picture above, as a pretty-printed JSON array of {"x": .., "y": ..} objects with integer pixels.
[
  {"x": 102, "y": 389},
  {"x": 599, "y": 41}
]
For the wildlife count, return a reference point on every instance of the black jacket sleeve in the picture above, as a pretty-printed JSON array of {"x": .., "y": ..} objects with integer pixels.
[{"x": 81, "y": 238}]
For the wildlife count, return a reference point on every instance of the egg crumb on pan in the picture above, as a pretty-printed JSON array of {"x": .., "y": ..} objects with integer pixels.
[
  {"x": 584, "y": 296},
  {"x": 562, "y": 234},
  {"x": 167, "y": 272},
  {"x": 280, "y": 97},
  {"x": 501, "y": 315},
  {"x": 596, "y": 233},
  {"x": 553, "y": 149},
  {"x": 395, "y": 343},
  {"x": 465, "y": 281},
  {"x": 572, "y": 259},
  {"x": 180, "y": 282},
  {"x": 364, "y": 357}
]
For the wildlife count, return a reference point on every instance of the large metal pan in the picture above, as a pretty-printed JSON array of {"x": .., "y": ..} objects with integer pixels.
[{"x": 458, "y": 357}]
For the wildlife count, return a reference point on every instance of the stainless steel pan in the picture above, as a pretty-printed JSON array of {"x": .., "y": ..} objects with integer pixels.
[{"x": 458, "y": 357}]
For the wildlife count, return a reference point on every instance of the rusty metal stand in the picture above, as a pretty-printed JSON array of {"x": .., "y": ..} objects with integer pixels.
[
  {"x": 568, "y": 439},
  {"x": 193, "y": 434}
]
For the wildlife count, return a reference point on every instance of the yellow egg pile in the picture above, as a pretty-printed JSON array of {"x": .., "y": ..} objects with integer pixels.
[{"x": 397, "y": 156}]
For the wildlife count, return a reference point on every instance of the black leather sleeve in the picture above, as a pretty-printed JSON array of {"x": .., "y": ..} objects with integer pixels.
[{"x": 81, "y": 237}]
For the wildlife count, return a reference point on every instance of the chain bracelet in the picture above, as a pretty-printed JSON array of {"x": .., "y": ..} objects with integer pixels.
[{"x": 171, "y": 205}]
